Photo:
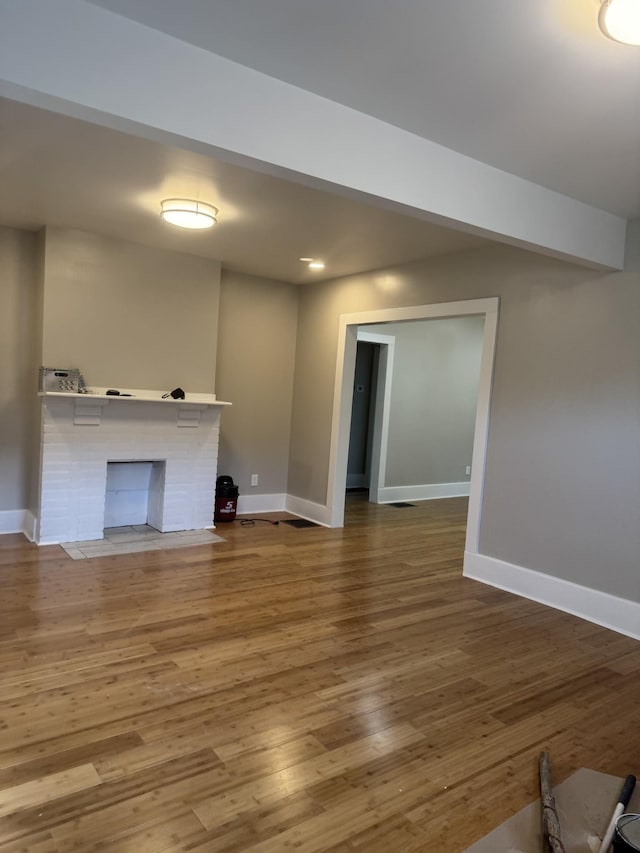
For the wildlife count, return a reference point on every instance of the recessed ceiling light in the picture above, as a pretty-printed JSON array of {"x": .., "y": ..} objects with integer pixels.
[
  {"x": 316, "y": 265},
  {"x": 187, "y": 213},
  {"x": 620, "y": 20},
  {"x": 306, "y": 260}
]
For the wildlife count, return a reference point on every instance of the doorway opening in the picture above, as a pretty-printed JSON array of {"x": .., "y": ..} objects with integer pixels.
[
  {"x": 371, "y": 406},
  {"x": 348, "y": 337},
  {"x": 363, "y": 406}
]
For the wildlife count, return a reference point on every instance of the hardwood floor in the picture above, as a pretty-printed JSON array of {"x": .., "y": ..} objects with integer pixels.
[{"x": 306, "y": 689}]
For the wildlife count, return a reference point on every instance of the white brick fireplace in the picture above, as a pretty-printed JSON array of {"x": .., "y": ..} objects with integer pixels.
[{"x": 81, "y": 434}]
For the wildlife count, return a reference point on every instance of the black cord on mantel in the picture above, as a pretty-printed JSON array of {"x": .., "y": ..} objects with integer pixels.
[{"x": 250, "y": 522}]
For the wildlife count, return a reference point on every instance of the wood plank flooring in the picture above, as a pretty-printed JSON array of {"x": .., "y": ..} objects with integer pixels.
[{"x": 292, "y": 689}]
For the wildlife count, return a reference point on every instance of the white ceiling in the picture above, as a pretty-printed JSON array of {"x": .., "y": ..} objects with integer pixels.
[
  {"x": 531, "y": 88},
  {"x": 61, "y": 171}
]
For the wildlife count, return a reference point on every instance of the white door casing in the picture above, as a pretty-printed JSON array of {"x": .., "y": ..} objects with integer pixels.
[{"x": 348, "y": 335}]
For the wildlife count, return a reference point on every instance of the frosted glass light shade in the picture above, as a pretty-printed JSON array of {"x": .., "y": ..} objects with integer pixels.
[
  {"x": 620, "y": 20},
  {"x": 186, "y": 213}
]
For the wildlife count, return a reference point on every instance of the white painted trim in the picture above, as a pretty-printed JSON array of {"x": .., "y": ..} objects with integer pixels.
[
  {"x": 27, "y": 526},
  {"x": 248, "y": 504},
  {"x": 481, "y": 430},
  {"x": 309, "y": 510},
  {"x": 30, "y": 525},
  {"x": 424, "y": 492},
  {"x": 12, "y": 520},
  {"x": 601, "y": 608},
  {"x": 18, "y": 521},
  {"x": 341, "y": 421},
  {"x": 342, "y": 398},
  {"x": 382, "y": 414}
]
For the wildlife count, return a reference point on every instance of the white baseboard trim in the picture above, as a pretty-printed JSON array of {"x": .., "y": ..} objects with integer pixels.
[
  {"x": 248, "y": 504},
  {"x": 29, "y": 528},
  {"x": 12, "y": 520},
  {"x": 425, "y": 492},
  {"x": 601, "y": 608},
  {"x": 309, "y": 510},
  {"x": 18, "y": 521}
]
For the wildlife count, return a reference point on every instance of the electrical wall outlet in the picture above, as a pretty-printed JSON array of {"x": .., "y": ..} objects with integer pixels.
[
  {"x": 467, "y": 470},
  {"x": 254, "y": 479}
]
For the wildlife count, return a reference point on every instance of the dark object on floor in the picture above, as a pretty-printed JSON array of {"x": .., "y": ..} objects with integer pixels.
[
  {"x": 250, "y": 522},
  {"x": 300, "y": 522},
  {"x": 400, "y": 504},
  {"x": 226, "y": 499}
]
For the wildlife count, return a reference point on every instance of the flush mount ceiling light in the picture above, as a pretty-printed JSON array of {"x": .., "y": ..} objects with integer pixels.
[
  {"x": 620, "y": 20},
  {"x": 187, "y": 213},
  {"x": 313, "y": 264}
]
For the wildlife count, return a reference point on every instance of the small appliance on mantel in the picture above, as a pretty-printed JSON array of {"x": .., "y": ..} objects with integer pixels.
[{"x": 52, "y": 379}]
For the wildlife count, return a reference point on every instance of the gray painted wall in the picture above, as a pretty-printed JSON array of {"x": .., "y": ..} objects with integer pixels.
[
  {"x": 256, "y": 355},
  {"x": 632, "y": 247},
  {"x": 433, "y": 399},
  {"x": 128, "y": 315},
  {"x": 18, "y": 325},
  {"x": 562, "y": 489}
]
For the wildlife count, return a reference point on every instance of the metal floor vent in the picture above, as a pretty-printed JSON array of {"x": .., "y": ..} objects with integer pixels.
[
  {"x": 299, "y": 522},
  {"x": 400, "y": 504}
]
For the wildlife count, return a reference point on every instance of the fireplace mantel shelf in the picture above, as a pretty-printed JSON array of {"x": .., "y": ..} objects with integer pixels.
[{"x": 99, "y": 397}]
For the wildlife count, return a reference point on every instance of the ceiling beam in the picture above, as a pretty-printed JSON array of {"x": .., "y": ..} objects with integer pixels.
[{"x": 81, "y": 60}]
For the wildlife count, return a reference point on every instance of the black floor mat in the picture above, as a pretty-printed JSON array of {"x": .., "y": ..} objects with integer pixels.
[
  {"x": 400, "y": 504},
  {"x": 299, "y": 522}
]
